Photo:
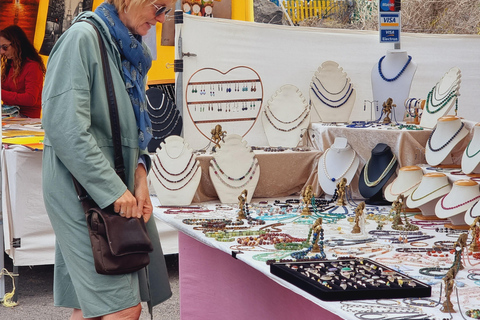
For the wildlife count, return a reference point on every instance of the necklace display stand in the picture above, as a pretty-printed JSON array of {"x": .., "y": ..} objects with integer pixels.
[
  {"x": 471, "y": 155},
  {"x": 234, "y": 168},
  {"x": 432, "y": 187},
  {"x": 392, "y": 78},
  {"x": 449, "y": 132},
  {"x": 453, "y": 205},
  {"x": 164, "y": 117},
  {"x": 376, "y": 173},
  {"x": 286, "y": 117},
  {"x": 407, "y": 180},
  {"x": 441, "y": 98},
  {"x": 331, "y": 93},
  {"x": 472, "y": 214},
  {"x": 339, "y": 161},
  {"x": 175, "y": 172}
]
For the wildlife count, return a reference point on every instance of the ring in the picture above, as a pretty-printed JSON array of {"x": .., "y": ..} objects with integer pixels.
[{"x": 121, "y": 213}]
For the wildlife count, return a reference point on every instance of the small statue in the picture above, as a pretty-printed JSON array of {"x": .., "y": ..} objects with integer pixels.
[
  {"x": 387, "y": 110},
  {"x": 307, "y": 196},
  {"x": 475, "y": 229},
  {"x": 397, "y": 208},
  {"x": 242, "y": 200},
  {"x": 358, "y": 216},
  {"x": 318, "y": 230},
  {"x": 458, "y": 246},
  {"x": 449, "y": 280},
  {"x": 341, "y": 186},
  {"x": 217, "y": 136}
]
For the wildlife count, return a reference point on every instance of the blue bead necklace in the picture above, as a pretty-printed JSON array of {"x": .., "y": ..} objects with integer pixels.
[
  {"x": 398, "y": 75},
  {"x": 446, "y": 143},
  {"x": 341, "y": 101}
]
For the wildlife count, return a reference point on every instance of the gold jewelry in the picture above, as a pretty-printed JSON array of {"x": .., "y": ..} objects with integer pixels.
[{"x": 384, "y": 173}]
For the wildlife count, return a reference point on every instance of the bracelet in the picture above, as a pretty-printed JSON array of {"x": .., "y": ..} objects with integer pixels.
[
  {"x": 473, "y": 276},
  {"x": 434, "y": 271},
  {"x": 419, "y": 244}
]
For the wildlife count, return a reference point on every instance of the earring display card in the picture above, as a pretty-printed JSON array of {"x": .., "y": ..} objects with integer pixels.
[{"x": 349, "y": 279}]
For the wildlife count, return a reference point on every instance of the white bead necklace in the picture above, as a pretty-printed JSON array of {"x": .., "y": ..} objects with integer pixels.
[{"x": 344, "y": 173}]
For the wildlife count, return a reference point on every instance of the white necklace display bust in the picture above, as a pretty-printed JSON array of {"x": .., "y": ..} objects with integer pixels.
[
  {"x": 462, "y": 197},
  {"x": 175, "y": 172},
  {"x": 339, "y": 161},
  {"x": 441, "y": 98},
  {"x": 407, "y": 180},
  {"x": 392, "y": 78},
  {"x": 432, "y": 186},
  {"x": 471, "y": 155},
  {"x": 234, "y": 168},
  {"x": 449, "y": 131}
]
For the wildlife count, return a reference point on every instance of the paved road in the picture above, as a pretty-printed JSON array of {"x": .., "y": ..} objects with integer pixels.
[{"x": 35, "y": 295}]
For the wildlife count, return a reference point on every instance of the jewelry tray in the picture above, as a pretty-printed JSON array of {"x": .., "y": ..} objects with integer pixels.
[{"x": 332, "y": 276}]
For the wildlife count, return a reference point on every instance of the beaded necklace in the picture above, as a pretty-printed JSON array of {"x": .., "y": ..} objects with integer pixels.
[
  {"x": 344, "y": 98},
  {"x": 457, "y": 206},
  {"x": 169, "y": 132},
  {"x": 446, "y": 143},
  {"x": 287, "y": 122},
  {"x": 439, "y": 106},
  {"x": 286, "y": 130},
  {"x": 175, "y": 174},
  {"x": 173, "y": 181},
  {"x": 235, "y": 187},
  {"x": 181, "y": 187},
  {"x": 384, "y": 173},
  {"x": 401, "y": 192},
  {"x": 428, "y": 194},
  {"x": 165, "y": 119},
  {"x": 325, "y": 166},
  {"x": 175, "y": 118},
  {"x": 334, "y": 93},
  {"x": 254, "y": 161},
  {"x": 473, "y": 155},
  {"x": 398, "y": 75}
]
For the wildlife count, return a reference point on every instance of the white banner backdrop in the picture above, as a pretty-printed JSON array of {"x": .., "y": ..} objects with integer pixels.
[{"x": 238, "y": 66}]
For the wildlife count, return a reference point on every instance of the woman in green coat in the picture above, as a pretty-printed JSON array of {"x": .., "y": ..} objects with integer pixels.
[{"x": 78, "y": 142}]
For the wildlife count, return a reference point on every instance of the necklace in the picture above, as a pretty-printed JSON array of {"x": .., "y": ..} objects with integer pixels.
[
  {"x": 457, "y": 206},
  {"x": 384, "y": 173},
  {"x": 174, "y": 181},
  {"x": 398, "y": 75},
  {"x": 235, "y": 179},
  {"x": 347, "y": 95},
  {"x": 334, "y": 93},
  {"x": 428, "y": 194},
  {"x": 441, "y": 104},
  {"x": 466, "y": 151},
  {"x": 287, "y": 122},
  {"x": 175, "y": 174},
  {"x": 161, "y": 103},
  {"x": 165, "y": 119},
  {"x": 446, "y": 143},
  {"x": 402, "y": 192},
  {"x": 178, "y": 156},
  {"x": 441, "y": 95},
  {"x": 175, "y": 118},
  {"x": 286, "y": 130},
  {"x": 169, "y": 132},
  {"x": 325, "y": 166},
  {"x": 181, "y": 187},
  {"x": 235, "y": 187}
]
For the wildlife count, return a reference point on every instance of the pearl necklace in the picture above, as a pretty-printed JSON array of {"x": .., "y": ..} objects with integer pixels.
[
  {"x": 457, "y": 206},
  {"x": 446, "y": 143},
  {"x": 345, "y": 172},
  {"x": 428, "y": 194},
  {"x": 398, "y": 75},
  {"x": 384, "y": 173}
]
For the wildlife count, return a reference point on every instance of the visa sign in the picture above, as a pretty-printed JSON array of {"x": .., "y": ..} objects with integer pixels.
[
  {"x": 389, "y": 26},
  {"x": 389, "y": 20}
]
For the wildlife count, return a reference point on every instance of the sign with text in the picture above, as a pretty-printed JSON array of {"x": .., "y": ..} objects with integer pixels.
[
  {"x": 389, "y": 5},
  {"x": 389, "y": 25}
]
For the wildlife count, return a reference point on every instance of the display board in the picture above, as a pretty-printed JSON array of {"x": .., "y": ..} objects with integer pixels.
[{"x": 280, "y": 55}]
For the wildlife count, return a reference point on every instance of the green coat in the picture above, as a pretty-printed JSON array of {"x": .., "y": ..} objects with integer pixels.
[{"x": 78, "y": 141}]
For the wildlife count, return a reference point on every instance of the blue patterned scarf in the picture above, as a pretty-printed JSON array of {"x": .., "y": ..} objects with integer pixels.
[{"x": 136, "y": 61}]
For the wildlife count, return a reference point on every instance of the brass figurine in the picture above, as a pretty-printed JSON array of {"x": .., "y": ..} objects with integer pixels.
[
  {"x": 358, "y": 215},
  {"x": 217, "y": 136},
  {"x": 242, "y": 200},
  {"x": 316, "y": 228},
  {"x": 341, "y": 186},
  {"x": 307, "y": 196},
  {"x": 387, "y": 108},
  {"x": 475, "y": 229}
]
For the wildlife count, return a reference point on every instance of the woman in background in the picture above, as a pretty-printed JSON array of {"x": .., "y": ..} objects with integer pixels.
[{"x": 22, "y": 72}]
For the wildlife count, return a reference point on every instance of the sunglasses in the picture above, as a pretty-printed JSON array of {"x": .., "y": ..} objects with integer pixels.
[
  {"x": 161, "y": 10},
  {"x": 5, "y": 46}
]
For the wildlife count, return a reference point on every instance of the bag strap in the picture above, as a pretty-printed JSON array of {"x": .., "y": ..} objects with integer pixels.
[{"x": 114, "y": 120}]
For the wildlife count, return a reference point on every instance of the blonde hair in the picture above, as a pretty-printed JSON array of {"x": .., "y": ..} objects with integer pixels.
[{"x": 120, "y": 5}]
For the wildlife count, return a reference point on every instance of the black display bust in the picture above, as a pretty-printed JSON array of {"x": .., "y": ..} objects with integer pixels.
[{"x": 375, "y": 174}]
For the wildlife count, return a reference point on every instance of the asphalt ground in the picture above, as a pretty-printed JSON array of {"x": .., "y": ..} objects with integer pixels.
[{"x": 35, "y": 295}]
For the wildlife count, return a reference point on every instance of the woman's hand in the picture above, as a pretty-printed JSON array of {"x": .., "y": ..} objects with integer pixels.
[
  {"x": 142, "y": 195},
  {"x": 126, "y": 205}
]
